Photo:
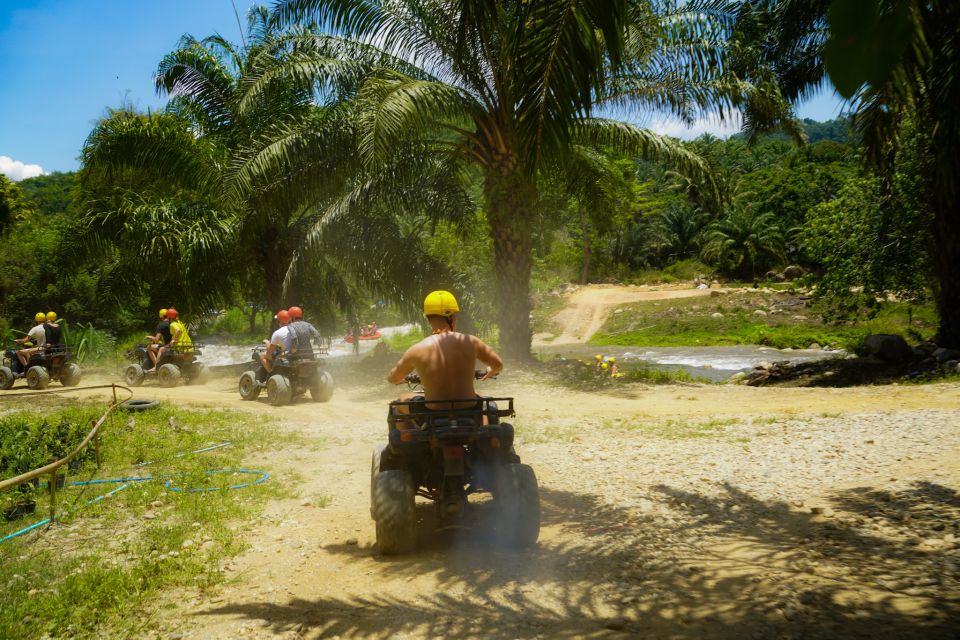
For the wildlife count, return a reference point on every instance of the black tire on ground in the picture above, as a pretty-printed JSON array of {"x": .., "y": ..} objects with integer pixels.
[
  {"x": 321, "y": 387},
  {"x": 70, "y": 375},
  {"x": 200, "y": 375},
  {"x": 168, "y": 375},
  {"x": 394, "y": 512},
  {"x": 6, "y": 378},
  {"x": 38, "y": 377},
  {"x": 518, "y": 498},
  {"x": 249, "y": 387},
  {"x": 278, "y": 390},
  {"x": 136, "y": 406},
  {"x": 133, "y": 375}
]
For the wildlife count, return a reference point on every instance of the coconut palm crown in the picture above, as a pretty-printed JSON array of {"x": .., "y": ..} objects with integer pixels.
[{"x": 509, "y": 87}]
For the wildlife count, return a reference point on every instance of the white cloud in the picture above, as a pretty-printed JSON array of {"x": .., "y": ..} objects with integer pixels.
[
  {"x": 16, "y": 170},
  {"x": 678, "y": 129}
]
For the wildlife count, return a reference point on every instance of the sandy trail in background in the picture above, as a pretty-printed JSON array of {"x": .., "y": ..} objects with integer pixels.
[{"x": 588, "y": 307}]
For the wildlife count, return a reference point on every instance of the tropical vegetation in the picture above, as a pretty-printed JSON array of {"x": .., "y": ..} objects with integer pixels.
[{"x": 347, "y": 153}]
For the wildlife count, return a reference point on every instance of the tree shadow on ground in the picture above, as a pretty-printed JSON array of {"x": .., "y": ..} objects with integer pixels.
[{"x": 685, "y": 565}]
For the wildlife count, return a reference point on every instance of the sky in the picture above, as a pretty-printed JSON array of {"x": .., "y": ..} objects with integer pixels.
[{"x": 63, "y": 63}]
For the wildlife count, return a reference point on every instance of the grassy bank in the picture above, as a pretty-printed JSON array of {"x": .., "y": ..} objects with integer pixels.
[
  {"x": 100, "y": 569},
  {"x": 731, "y": 318}
]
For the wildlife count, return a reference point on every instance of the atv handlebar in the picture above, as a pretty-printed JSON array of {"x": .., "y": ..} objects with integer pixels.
[{"x": 413, "y": 378}]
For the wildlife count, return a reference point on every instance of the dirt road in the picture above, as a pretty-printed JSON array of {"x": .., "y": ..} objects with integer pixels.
[
  {"x": 588, "y": 306},
  {"x": 668, "y": 512}
]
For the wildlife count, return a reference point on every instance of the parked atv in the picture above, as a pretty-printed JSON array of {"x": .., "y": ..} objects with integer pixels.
[
  {"x": 53, "y": 363},
  {"x": 174, "y": 363},
  {"x": 448, "y": 456},
  {"x": 293, "y": 375}
]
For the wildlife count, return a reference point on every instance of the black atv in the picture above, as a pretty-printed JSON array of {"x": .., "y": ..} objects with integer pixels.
[
  {"x": 175, "y": 362},
  {"x": 52, "y": 363},
  {"x": 293, "y": 375},
  {"x": 449, "y": 455}
]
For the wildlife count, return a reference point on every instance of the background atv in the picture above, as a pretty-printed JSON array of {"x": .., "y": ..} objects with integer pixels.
[
  {"x": 292, "y": 375},
  {"x": 451, "y": 455},
  {"x": 175, "y": 363},
  {"x": 53, "y": 363}
]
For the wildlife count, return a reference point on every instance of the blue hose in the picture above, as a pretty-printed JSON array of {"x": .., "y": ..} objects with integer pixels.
[{"x": 168, "y": 484}]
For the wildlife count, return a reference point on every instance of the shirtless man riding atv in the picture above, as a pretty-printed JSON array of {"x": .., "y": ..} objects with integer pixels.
[{"x": 444, "y": 361}]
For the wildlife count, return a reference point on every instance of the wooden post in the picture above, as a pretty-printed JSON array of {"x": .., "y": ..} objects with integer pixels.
[
  {"x": 96, "y": 446},
  {"x": 53, "y": 495}
]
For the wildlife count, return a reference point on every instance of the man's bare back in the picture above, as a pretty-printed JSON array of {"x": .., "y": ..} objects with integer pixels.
[{"x": 445, "y": 363}]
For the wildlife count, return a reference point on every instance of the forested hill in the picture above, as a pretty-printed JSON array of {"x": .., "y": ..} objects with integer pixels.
[{"x": 836, "y": 130}]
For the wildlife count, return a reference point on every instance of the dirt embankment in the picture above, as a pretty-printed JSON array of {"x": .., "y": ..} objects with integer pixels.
[{"x": 668, "y": 512}]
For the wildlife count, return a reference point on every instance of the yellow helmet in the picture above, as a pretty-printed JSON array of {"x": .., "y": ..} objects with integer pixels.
[
  {"x": 163, "y": 313},
  {"x": 611, "y": 359},
  {"x": 604, "y": 366},
  {"x": 440, "y": 303},
  {"x": 40, "y": 316},
  {"x": 598, "y": 357},
  {"x": 51, "y": 316}
]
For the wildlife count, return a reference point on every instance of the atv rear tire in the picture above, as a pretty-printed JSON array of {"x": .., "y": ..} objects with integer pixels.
[
  {"x": 133, "y": 375},
  {"x": 249, "y": 387},
  {"x": 37, "y": 377},
  {"x": 70, "y": 375},
  {"x": 518, "y": 499},
  {"x": 278, "y": 390},
  {"x": 200, "y": 375},
  {"x": 168, "y": 375},
  {"x": 394, "y": 512},
  {"x": 6, "y": 378},
  {"x": 321, "y": 387}
]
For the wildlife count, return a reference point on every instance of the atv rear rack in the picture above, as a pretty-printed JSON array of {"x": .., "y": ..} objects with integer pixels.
[{"x": 417, "y": 410}]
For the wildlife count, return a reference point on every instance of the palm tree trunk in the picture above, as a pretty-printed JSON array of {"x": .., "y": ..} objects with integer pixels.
[
  {"x": 585, "y": 230},
  {"x": 512, "y": 202},
  {"x": 946, "y": 265}
]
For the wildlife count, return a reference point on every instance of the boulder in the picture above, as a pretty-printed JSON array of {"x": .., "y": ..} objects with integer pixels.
[
  {"x": 888, "y": 347},
  {"x": 716, "y": 314},
  {"x": 774, "y": 276},
  {"x": 760, "y": 313},
  {"x": 944, "y": 355},
  {"x": 793, "y": 272}
]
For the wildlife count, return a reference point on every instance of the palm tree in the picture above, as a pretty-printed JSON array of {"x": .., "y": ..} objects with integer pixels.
[
  {"x": 509, "y": 88},
  {"x": 679, "y": 229},
  {"x": 743, "y": 242},
  {"x": 270, "y": 173}
]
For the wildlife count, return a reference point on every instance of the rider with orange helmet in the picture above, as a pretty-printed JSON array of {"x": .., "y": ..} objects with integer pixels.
[
  {"x": 281, "y": 341},
  {"x": 301, "y": 333}
]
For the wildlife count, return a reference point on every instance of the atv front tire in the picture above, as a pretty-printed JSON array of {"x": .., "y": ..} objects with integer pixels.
[
  {"x": 321, "y": 387},
  {"x": 37, "y": 377},
  {"x": 133, "y": 375},
  {"x": 70, "y": 375},
  {"x": 394, "y": 512},
  {"x": 518, "y": 498},
  {"x": 278, "y": 390},
  {"x": 168, "y": 375},
  {"x": 200, "y": 375},
  {"x": 249, "y": 387},
  {"x": 6, "y": 378}
]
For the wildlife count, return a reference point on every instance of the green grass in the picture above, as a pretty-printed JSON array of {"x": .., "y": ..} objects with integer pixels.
[
  {"x": 99, "y": 571},
  {"x": 400, "y": 342},
  {"x": 689, "y": 322},
  {"x": 584, "y": 376}
]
